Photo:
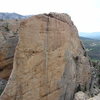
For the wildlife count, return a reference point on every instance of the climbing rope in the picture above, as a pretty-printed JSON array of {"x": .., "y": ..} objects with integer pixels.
[{"x": 46, "y": 58}]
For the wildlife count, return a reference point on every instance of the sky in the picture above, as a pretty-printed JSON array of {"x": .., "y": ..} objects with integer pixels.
[{"x": 84, "y": 13}]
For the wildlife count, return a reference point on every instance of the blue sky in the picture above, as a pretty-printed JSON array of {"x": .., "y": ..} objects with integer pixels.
[{"x": 84, "y": 13}]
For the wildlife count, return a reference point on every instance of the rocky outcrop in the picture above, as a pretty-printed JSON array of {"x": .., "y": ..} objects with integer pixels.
[
  {"x": 8, "y": 42},
  {"x": 2, "y": 85},
  {"x": 83, "y": 96},
  {"x": 95, "y": 83},
  {"x": 49, "y": 62},
  {"x": 95, "y": 97}
]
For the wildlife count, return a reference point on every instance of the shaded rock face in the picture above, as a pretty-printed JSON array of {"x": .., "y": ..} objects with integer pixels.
[
  {"x": 49, "y": 62},
  {"x": 2, "y": 85},
  {"x": 8, "y": 42},
  {"x": 95, "y": 87}
]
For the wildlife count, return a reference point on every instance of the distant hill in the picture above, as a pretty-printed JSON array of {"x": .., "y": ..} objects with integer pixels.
[
  {"x": 92, "y": 47},
  {"x": 4, "y": 16},
  {"x": 94, "y": 35}
]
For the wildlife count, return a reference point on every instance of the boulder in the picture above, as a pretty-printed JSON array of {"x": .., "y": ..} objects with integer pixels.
[
  {"x": 97, "y": 97},
  {"x": 50, "y": 62},
  {"x": 81, "y": 96}
]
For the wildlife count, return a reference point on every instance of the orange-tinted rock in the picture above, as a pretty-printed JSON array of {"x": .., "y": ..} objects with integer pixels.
[{"x": 50, "y": 62}]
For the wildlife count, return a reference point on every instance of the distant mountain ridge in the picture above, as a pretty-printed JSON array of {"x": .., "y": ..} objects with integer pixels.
[
  {"x": 4, "y": 16},
  {"x": 93, "y": 35}
]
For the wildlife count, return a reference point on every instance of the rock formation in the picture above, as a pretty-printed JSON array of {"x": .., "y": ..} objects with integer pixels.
[
  {"x": 97, "y": 97},
  {"x": 50, "y": 62},
  {"x": 95, "y": 89},
  {"x": 2, "y": 85},
  {"x": 8, "y": 42},
  {"x": 82, "y": 96}
]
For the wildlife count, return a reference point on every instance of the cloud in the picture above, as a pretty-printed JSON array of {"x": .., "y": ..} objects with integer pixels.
[{"x": 84, "y": 13}]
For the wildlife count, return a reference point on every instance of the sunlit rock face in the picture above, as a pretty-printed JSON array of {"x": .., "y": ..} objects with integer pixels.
[
  {"x": 83, "y": 96},
  {"x": 50, "y": 62}
]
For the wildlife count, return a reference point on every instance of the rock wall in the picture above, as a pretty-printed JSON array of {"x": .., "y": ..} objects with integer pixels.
[
  {"x": 8, "y": 42},
  {"x": 50, "y": 61}
]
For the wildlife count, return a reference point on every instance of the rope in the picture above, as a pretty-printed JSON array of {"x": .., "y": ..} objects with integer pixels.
[{"x": 46, "y": 59}]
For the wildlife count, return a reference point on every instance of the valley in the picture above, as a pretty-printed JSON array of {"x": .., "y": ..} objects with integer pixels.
[{"x": 92, "y": 47}]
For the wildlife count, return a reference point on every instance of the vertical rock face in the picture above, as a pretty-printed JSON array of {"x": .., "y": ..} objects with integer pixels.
[
  {"x": 50, "y": 63},
  {"x": 8, "y": 42}
]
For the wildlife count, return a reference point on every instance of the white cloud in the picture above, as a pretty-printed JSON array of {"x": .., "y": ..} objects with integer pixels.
[{"x": 84, "y": 13}]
